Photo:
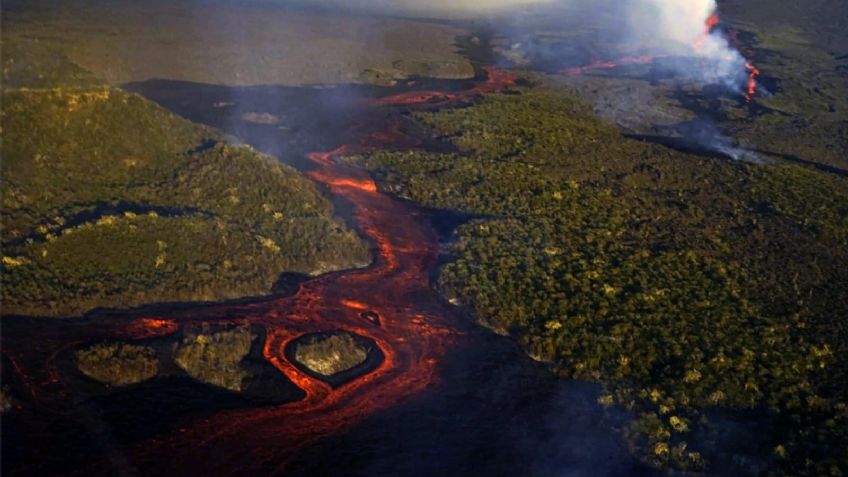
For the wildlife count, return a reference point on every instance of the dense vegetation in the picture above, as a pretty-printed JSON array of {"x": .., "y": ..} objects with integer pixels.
[
  {"x": 215, "y": 357},
  {"x": 111, "y": 201},
  {"x": 118, "y": 364},
  {"x": 329, "y": 355},
  {"x": 694, "y": 288}
]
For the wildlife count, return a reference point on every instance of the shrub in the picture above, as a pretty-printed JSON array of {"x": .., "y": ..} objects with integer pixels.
[
  {"x": 215, "y": 357},
  {"x": 118, "y": 364},
  {"x": 329, "y": 355}
]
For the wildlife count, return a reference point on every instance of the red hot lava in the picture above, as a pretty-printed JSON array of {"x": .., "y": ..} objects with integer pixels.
[
  {"x": 373, "y": 302},
  {"x": 710, "y": 25},
  {"x": 609, "y": 64},
  {"x": 712, "y": 22},
  {"x": 753, "y": 73},
  {"x": 496, "y": 80}
]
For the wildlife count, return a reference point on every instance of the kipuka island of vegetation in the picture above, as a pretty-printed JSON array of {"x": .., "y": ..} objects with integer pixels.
[{"x": 330, "y": 355}]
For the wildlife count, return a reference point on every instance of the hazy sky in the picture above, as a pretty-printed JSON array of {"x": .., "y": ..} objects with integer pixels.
[{"x": 425, "y": 7}]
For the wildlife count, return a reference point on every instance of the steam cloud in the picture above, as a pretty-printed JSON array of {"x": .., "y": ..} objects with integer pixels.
[
  {"x": 676, "y": 23},
  {"x": 677, "y": 30},
  {"x": 680, "y": 36},
  {"x": 685, "y": 28}
]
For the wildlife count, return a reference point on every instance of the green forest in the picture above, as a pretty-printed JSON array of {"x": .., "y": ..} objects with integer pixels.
[
  {"x": 698, "y": 291},
  {"x": 111, "y": 201}
]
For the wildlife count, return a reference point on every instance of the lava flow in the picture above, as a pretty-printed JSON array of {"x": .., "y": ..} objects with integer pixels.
[
  {"x": 496, "y": 80},
  {"x": 382, "y": 302},
  {"x": 710, "y": 25},
  {"x": 753, "y": 73},
  {"x": 609, "y": 64}
]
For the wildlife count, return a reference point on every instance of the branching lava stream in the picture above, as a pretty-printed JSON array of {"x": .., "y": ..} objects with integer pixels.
[{"x": 412, "y": 333}]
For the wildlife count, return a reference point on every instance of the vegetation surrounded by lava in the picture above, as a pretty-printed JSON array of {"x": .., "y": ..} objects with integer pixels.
[
  {"x": 111, "y": 201},
  {"x": 218, "y": 358},
  {"x": 693, "y": 287},
  {"x": 329, "y": 355},
  {"x": 215, "y": 357},
  {"x": 118, "y": 364}
]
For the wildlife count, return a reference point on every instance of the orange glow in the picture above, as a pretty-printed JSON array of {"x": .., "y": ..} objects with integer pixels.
[
  {"x": 356, "y": 305},
  {"x": 496, "y": 80},
  {"x": 151, "y": 327},
  {"x": 412, "y": 340},
  {"x": 25, "y": 378},
  {"x": 710, "y": 25},
  {"x": 364, "y": 185},
  {"x": 753, "y": 73},
  {"x": 712, "y": 22},
  {"x": 608, "y": 65}
]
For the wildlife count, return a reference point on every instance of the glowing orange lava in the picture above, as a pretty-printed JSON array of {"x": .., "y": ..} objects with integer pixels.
[
  {"x": 356, "y": 305},
  {"x": 712, "y": 22},
  {"x": 413, "y": 335},
  {"x": 710, "y": 25},
  {"x": 496, "y": 80},
  {"x": 150, "y": 327},
  {"x": 365, "y": 185},
  {"x": 608, "y": 65},
  {"x": 753, "y": 73}
]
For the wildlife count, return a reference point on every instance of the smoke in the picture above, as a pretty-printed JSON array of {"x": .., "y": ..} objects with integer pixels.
[
  {"x": 676, "y": 23},
  {"x": 682, "y": 36},
  {"x": 683, "y": 40},
  {"x": 705, "y": 134},
  {"x": 688, "y": 29},
  {"x": 683, "y": 33}
]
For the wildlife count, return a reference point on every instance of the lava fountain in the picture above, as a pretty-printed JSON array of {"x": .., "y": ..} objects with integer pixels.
[{"x": 689, "y": 32}]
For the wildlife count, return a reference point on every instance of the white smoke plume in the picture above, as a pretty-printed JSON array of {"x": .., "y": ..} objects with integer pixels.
[
  {"x": 686, "y": 28},
  {"x": 679, "y": 31},
  {"x": 676, "y": 23}
]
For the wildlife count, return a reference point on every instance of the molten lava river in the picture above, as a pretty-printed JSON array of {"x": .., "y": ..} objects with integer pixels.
[{"x": 382, "y": 302}]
